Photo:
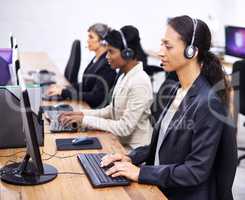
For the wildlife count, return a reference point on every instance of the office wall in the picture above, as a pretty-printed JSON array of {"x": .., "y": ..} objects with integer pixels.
[
  {"x": 52, "y": 25},
  {"x": 233, "y": 12}
]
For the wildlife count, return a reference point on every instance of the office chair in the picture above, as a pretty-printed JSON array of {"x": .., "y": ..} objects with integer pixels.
[
  {"x": 239, "y": 66},
  {"x": 226, "y": 163},
  {"x": 73, "y": 64},
  {"x": 149, "y": 69},
  {"x": 161, "y": 98}
]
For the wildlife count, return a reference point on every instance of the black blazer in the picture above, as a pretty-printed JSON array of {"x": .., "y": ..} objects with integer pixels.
[
  {"x": 191, "y": 152},
  {"x": 97, "y": 81}
]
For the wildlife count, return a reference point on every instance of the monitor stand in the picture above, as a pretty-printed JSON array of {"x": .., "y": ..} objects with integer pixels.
[{"x": 24, "y": 173}]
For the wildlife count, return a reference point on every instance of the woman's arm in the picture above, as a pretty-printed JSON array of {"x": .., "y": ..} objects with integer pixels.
[{"x": 139, "y": 99}]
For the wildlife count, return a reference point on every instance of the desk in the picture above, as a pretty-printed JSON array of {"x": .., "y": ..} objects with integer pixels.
[{"x": 70, "y": 186}]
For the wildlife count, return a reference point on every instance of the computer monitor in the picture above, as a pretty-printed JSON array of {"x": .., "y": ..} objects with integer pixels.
[
  {"x": 16, "y": 63},
  {"x": 5, "y": 62},
  {"x": 235, "y": 41},
  {"x": 31, "y": 171},
  {"x": 11, "y": 38}
]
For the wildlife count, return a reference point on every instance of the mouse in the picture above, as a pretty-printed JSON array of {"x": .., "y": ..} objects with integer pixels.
[
  {"x": 82, "y": 141},
  {"x": 44, "y": 71}
]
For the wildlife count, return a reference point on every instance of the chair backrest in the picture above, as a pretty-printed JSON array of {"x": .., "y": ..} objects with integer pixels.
[
  {"x": 239, "y": 66},
  {"x": 73, "y": 64},
  {"x": 226, "y": 163},
  {"x": 162, "y": 96}
]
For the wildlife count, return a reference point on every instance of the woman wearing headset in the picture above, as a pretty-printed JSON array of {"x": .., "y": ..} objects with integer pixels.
[
  {"x": 98, "y": 78},
  {"x": 127, "y": 116},
  {"x": 182, "y": 158}
]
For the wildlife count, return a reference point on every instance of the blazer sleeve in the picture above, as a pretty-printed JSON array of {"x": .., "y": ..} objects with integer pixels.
[
  {"x": 103, "y": 112},
  {"x": 140, "y": 154},
  {"x": 70, "y": 92},
  {"x": 139, "y": 99},
  {"x": 198, "y": 164}
]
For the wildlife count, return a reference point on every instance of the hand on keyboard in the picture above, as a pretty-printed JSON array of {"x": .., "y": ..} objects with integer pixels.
[
  {"x": 71, "y": 117},
  {"x": 57, "y": 127},
  {"x": 126, "y": 169},
  {"x": 111, "y": 158},
  {"x": 97, "y": 175}
]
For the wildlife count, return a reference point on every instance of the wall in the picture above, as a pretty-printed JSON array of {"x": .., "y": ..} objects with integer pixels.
[{"x": 52, "y": 25}]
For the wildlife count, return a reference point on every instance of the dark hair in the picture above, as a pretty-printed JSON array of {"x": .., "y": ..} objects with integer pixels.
[
  {"x": 211, "y": 65},
  {"x": 100, "y": 29},
  {"x": 132, "y": 37}
]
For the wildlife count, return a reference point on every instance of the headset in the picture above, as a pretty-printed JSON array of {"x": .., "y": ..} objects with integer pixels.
[
  {"x": 127, "y": 53},
  {"x": 103, "y": 36},
  {"x": 190, "y": 50}
]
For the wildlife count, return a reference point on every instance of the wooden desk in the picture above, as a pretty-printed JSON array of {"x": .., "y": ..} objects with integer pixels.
[{"x": 71, "y": 186}]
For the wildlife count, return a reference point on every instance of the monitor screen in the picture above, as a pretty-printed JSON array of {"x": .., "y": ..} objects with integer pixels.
[
  {"x": 6, "y": 54},
  {"x": 5, "y": 60},
  {"x": 235, "y": 41},
  {"x": 5, "y": 77}
]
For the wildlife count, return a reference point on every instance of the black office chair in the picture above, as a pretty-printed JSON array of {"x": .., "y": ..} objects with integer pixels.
[
  {"x": 73, "y": 64},
  {"x": 239, "y": 66},
  {"x": 161, "y": 98},
  {"x": 226, "y": 163}
]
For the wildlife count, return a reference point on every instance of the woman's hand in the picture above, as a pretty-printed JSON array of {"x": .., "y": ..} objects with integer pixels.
[
  {"x": 54, "y": 90},
  {"x": 111, "y": 158},
  {"x": 67, "y": 118},
  {"x": 122, "y": 166},
  {"x": 126, "y": 169}
]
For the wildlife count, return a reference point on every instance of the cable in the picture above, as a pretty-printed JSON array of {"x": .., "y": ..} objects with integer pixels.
[
  {"x": 54, "y": 155},
  {"x": 16, "y": 171},
  {"x": 65, "y": 173},
  {"x": 10, "y": 155}
]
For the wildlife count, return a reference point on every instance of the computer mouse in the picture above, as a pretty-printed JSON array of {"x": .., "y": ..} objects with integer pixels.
[
  {"x": 82, "y": 140},
  {"x": 44, "y": 71}
]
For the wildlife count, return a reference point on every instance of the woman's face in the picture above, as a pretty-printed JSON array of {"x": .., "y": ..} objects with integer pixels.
[
  {"x": 114, "y": 57},
  {"x": 93, "y": 41},
  {"x": 172, "y": 51}
]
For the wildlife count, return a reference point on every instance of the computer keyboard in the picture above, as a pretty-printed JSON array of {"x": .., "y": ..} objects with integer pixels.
[
  {"x": 52, "y": 98},
  {"x": 57, "y": 107},
  {"x": 96, "y": 174},
  {"x": 52, "y": 115},
  {"x": 57, "y": 127}
]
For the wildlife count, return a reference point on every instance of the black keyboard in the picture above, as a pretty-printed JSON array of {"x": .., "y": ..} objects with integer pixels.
[
  {"x": 96, "y": 174},
  {"x": 52, "y": 98},
  {"x": 52, "y": 115},
  {"x": 62, "y": 107},
  {"x": 57, "y": 127}
]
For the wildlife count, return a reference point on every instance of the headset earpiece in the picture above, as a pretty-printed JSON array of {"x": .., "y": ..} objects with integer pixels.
[
  {"x": 126, "y": 53},
  {"x": 190, "y": 50}
]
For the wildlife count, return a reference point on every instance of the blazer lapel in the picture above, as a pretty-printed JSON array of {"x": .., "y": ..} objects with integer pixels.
[
  {"x": 100, "y": 62},
  {"x": 183, "y": 108},
  {"x": 124, "y": 79}
]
